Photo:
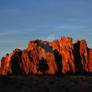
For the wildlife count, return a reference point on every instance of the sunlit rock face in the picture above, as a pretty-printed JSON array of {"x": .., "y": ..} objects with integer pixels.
[
  {"x": 65, "y": 49},
  {"x": 42, "y": 57}
]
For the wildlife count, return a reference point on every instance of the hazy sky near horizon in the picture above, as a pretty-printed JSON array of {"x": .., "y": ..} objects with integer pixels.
[{"x": 25, "y": 20}]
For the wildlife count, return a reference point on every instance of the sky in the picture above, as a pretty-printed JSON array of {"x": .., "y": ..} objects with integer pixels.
[{"x": 25, "y": 20}]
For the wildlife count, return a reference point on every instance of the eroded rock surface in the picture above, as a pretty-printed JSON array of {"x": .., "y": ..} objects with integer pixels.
[{"x": 42, "y": 57}]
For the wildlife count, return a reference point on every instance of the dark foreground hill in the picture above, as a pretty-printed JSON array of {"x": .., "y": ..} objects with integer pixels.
[
  {"x": 46, "y": 84},
  {"x": 42, "y": 57}
]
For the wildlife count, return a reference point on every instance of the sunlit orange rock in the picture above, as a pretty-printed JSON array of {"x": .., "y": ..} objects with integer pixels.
[
  {"x": 89, "y": 60},
  {"x": 65, "y": 48},
  {"x": 42, "y": 57}
]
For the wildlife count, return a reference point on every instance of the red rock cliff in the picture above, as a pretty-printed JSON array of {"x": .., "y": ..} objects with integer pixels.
[{"x": 42, "y": 57}]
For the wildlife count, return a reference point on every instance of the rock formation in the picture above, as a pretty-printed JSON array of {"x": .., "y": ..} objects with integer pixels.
[{"x": 42, "y": 57}]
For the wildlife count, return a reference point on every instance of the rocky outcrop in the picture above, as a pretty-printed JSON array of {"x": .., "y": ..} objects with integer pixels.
[{"x": 42, "y": 57}]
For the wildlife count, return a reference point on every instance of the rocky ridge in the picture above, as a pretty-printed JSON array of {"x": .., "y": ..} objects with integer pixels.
[{"x": 42, "y": 57}]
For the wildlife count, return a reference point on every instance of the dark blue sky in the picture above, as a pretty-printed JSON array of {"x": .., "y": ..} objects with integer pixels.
[{"x": 25, "y": 20}]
